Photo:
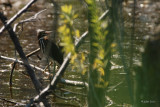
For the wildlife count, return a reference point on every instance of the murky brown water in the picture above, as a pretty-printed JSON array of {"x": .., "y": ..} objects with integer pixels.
[{"x": 23, "y": 89}]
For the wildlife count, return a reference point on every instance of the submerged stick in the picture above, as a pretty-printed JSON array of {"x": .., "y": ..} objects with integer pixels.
[
  {"x": 12, "y": 102},
  {"x": 73, "y": 83},
  {"x": 21, "y": 62},
  {"x": 63, "y": 81},
  {"x": 33, "y": 52},
  {"x": 77, "y": 93}
]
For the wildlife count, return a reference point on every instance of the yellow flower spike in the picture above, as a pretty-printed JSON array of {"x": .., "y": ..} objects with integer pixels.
[
  {"x": 113, "y": 45},
  {"x": 106, "y": 84},
  {"x": 84, "y": 71},
  {"x": 69, "y": 9},
  {"x": 65, "y": 21},
  {"x": 101, "y": 54},
  {"x": 101, "y": 79},
  {"x": 94, "y": 65},
  {"x": 77, "y": 33},
  {"x": 62, "y": 28},
  {"x": 83, "y": 56},
  {"x": 101, "y": 71},
  {"x": 95, "y": 44},
  {"x": 66, "y": 9},
  {"x": 67, "y": 31},
  {"x": 99, "y": 62},
  {"x": 62, "y": 16},
  {"x": 89, "y": 1},
  {"x": 75, "y": 16},
  {"x": 72, "y": 60}
]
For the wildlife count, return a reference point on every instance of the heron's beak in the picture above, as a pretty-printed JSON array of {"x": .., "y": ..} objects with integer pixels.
[{"x": 48, "y": 32}]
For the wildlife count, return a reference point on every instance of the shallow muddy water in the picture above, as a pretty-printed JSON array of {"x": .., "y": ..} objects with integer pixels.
[{"x": 118, "y": 92}]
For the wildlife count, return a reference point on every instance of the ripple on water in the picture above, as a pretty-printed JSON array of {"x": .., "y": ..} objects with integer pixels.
[{"x": 4, "y": 70}]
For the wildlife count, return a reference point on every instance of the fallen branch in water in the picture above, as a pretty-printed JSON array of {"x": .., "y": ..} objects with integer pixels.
[
  {"x": 63, "y": 81},
  {"x": 66, "y": 98},
  {"x": 21, "y": 62},
  {"x": 74, "y": 83},
  {"x": 13, "y": 102},
  {"x": 66, "y": 90},
  {"x": 32, "y": 53},
  {"x": 24, "y": 9}
]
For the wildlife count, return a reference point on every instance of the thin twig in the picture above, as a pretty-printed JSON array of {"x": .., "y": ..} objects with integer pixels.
[
  {"x": 31, "y": 19},
  {"x": 67, "y": 98},
  {"x": 14, "y": 64},
  {"x": 22, "y": 63},
  {"x": 24, "y": 9},
  {"x": 61, "y": 89},
  {"x": 63, "y": 81},
  {"x": 11, "y": 74},
  {"x": 33, "y": 52},
  {"x": 13, "y": 102},
  {"x": 74, "y": 83},
  {"x": 50, "y": 63},
  {"x": 29, "y": 54}
]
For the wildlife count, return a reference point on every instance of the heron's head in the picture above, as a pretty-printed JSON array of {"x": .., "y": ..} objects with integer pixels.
[{"x": 41, "y": 33}]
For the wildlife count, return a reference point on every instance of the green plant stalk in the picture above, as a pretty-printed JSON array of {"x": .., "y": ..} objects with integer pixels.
[{"x": 98, "y": 72}]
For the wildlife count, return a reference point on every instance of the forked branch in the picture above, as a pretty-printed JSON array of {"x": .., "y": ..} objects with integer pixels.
[{"x": 24, "y": 9}]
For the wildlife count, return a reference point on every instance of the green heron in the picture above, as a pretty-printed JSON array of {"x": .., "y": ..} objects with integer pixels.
[{"x": 48, "y": 47}]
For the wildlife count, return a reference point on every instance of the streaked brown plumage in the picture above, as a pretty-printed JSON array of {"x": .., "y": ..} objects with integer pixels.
[{"x": 48, "y": 47}]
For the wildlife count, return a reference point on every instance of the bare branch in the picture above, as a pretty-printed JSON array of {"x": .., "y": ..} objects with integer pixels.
[
  {"x": 66, "y": 90},
  {"x": 24, "y": 9},
  {"x": 13, "y": 102},
  {"x": 21, "y": 54},
  {"x": 19, "y": 49},
  {"x": 67, "y": 98},
  {"x": 63, "y": 81},
  {"x": 22, "y": 63},
  {"x": 31, "y": 19},
  {"x": 32, "y": 53},
  {"x": 74, "y": 83},
  {"x": 103, "y": 15}
]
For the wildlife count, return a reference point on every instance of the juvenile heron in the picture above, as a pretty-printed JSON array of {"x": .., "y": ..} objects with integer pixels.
[{"x": 48, "y": 47}]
